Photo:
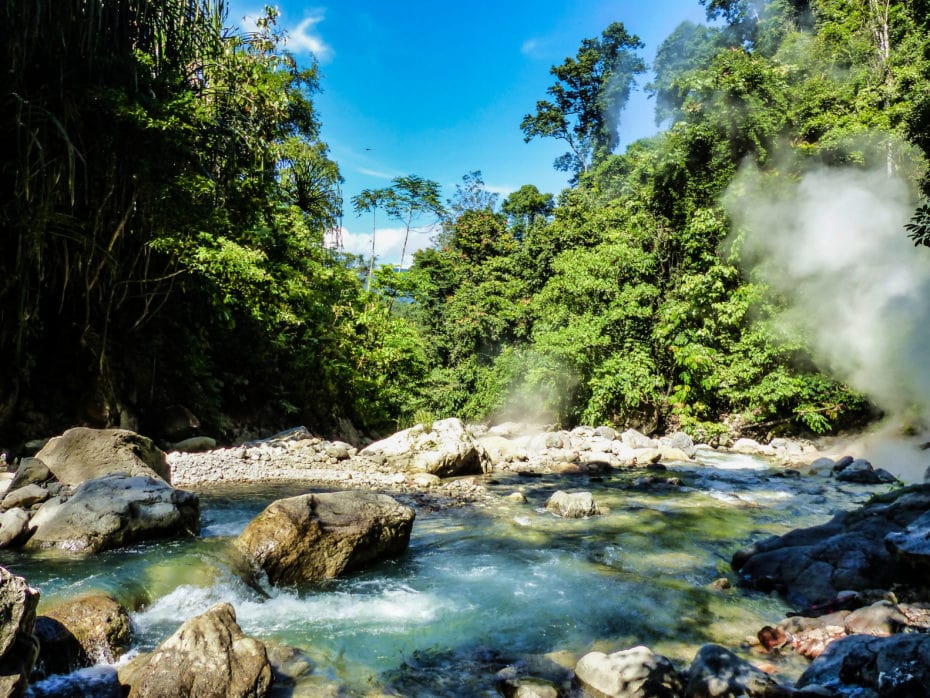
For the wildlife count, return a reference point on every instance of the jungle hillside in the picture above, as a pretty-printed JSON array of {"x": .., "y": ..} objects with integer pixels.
[{"x": 167, "y": 204}]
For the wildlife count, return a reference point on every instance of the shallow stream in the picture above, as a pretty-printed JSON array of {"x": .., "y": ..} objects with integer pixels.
[{"x": 482, "y": 588}]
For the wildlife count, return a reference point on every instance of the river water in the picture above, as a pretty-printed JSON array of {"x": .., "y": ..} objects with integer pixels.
[{"x": 483, "y": 588}]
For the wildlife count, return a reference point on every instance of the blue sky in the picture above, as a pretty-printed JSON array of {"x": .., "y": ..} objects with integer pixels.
[{"x": 438, "y": 89}]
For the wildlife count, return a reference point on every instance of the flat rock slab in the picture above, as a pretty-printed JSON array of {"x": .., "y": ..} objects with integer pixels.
[
  {"x": 113, "y": 511},
  {"x": 320, "y": 536}
]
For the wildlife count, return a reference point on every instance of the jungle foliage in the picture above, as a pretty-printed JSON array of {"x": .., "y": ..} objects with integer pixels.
[
  {"x": 627, "y": 303},
  {"x": 167, "y": 197}
]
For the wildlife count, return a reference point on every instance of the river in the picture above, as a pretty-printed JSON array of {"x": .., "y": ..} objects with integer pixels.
[{"x": 486, "y": 587}]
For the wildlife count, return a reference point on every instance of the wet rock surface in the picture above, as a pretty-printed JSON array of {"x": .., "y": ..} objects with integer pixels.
[
  {"x": 209, "y": 657},
  {"x": 88, "y": 630},
  {"x": 320, "y": 536},
  {"x": 869, "y": 667},
  {"x": 18, "y": 644},
  {"x": 813, "y": 565}
]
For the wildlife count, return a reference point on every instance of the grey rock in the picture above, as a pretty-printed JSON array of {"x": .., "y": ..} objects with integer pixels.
[
  {"x": 632, "y": 673},
  {"x": 605, "y": 432},
  {"x": 195, "y": 444},
  {"x": 209, "y": 657},
  {"x": 85, "y": 454},
  {"x": 678, "y": 440},
  {"x": 859, "y": 471},
  {"x": 821, "y": 466},
  {"x": 18, "y": 645},
  {"x": 717, "y": 672},
  {"x": 13, "y": 527},
  {"x": 862, "y": 665},
  {"x": 320, "y": 536},
  {"x": 113, "y": 511},
  {"x": 25, "y": 497},
  {"x": 574, "y": 505},
  {"x": 30, "y": 471},
  {"x": 445, "y": 450},
  {"x": 813, "y": 565},
  {"x": 912, "y": 546},
  {"x": 635, "y": 439},
  {"x": 842, "y": 463}
]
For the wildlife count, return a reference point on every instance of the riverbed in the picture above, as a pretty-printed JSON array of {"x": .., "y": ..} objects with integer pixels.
[{"x": 489, "y": 588}]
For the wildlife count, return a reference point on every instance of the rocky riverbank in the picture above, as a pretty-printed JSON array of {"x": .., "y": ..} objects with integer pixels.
[{"x": 448, "y": 464}]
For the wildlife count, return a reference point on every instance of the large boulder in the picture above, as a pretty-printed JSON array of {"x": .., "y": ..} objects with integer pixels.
[
  {"x": 812, "y": 565},
  {"x": 18, "y": 645},
  {"x": 444, "y": 448},
  {"x": 208, "y": 657},
  {"x": 632, "y": 673},
  {"x": 84, "y": 454},
  {"x": 319, "y": 536},
  {"x": 113, "y": 511},
  {"x": 718, "y": 673},
  {"x": 91, "y": 629},
  {"x": 866, "y": 666}
]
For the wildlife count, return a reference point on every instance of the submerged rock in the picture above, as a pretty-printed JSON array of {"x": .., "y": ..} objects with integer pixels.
[
  {"x": 574, "y": 505},
  {"x": 445, "y": 449},
  {"x": 84, "y": 454},
  {"x": 18, "y": 644},
  {"x": 632, "y": 673},
  {"x": 88, "y": 630},
  {"x": 320, "y": 536},
  {"x": 113, "y": 511},
  {"x": 208, "y": 657}
]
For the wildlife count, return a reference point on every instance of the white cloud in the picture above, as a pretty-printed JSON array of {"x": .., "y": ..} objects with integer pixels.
[
  {"x": 530, "y": 48},
  {"x": 305, "y": 38},
  {"x": 500, "y": 190},
  {"x": 388, "y": 243}
]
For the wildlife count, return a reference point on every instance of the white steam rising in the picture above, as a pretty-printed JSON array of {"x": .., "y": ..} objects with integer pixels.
[{"x": 834, "y": 244}]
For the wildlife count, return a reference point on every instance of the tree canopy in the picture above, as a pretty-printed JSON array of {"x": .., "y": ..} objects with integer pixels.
[{"x": 167, "y": 197}]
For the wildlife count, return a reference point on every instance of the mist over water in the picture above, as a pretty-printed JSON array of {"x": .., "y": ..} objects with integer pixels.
[{"x": 834, "y": 243}]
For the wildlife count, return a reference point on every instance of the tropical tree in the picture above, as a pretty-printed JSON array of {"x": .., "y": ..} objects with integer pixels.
[
  {"x": 370, "y": 200},
  {"x": 525, "y": 207},
  {"x": 410, "y": 198},
  {"x": 590, "y": 92}
]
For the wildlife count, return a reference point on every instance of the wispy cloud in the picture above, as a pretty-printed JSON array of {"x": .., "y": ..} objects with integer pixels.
[
  {"x": 375, "y": 173},
  {"x": 530, "y": 47},
  {"x": 304, "y": 38}
]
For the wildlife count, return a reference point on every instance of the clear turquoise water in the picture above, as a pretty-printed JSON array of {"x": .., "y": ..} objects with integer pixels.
[{"x": 483, "y": 588}]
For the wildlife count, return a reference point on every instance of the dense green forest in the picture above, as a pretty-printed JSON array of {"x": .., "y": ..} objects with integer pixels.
[{"x": 166, "y": 196}]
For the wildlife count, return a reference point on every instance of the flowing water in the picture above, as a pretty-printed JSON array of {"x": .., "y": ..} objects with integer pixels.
[{"x": 485, "y": 587}]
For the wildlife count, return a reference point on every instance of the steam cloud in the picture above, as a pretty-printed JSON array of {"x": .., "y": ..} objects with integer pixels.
[{"x": 834, "y": 244}]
